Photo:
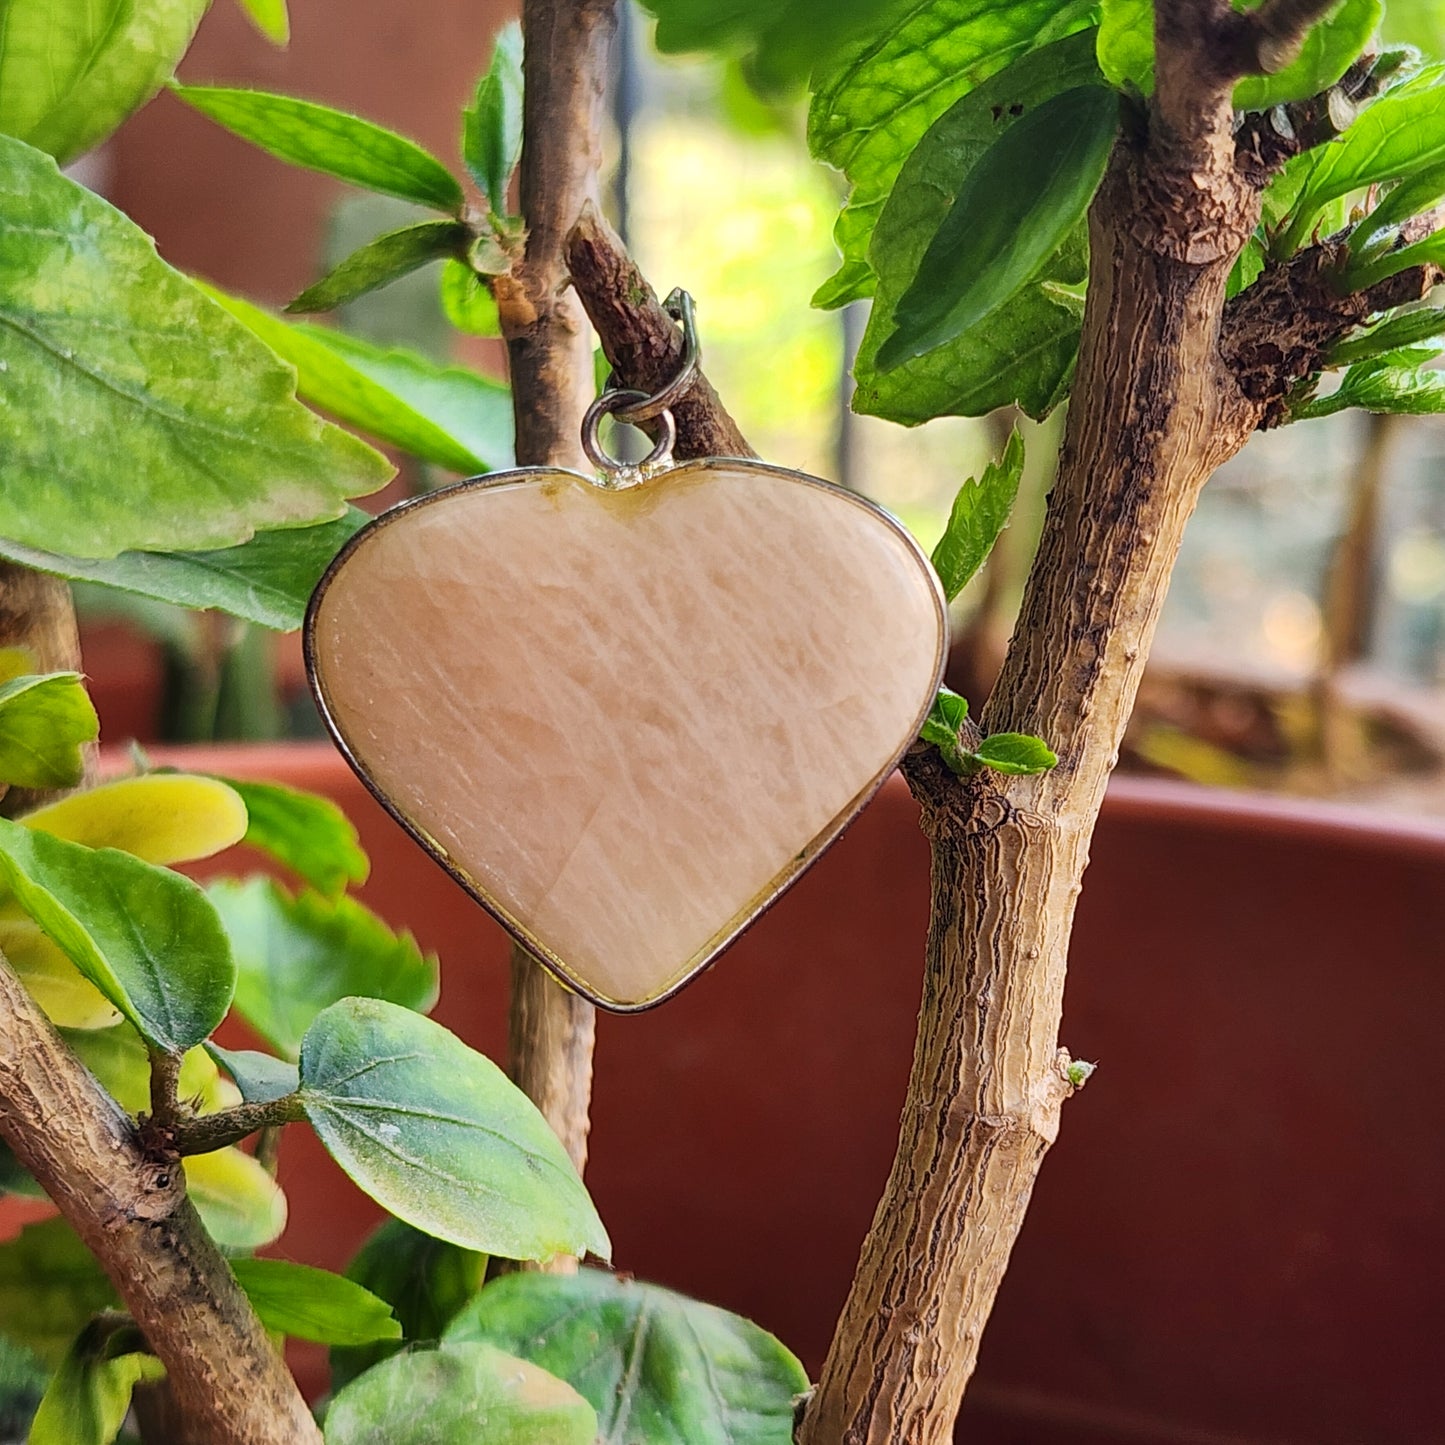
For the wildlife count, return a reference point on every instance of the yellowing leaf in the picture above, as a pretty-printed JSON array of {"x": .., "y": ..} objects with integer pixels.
[
  {"x": 239, "y": 1202},
  {"x": 161, "y": 818},
  {"x": 69, "y": 999}
]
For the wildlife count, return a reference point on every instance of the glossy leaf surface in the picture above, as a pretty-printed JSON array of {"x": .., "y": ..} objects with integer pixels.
[
  {"x": 980, "y": 513},
  {"x": 306, "y": 832},
  {"x": 459, "y": 1395},
  {"x": 1027, "y": 193},
  {"x": 313, "y": 1304},
  {"x": 439, "y": 1136},
  {"x": 492, "y": 124},
  {"x": 146, "y": 937},
  {"x": 240, "y": 1204},
  {"x": 297, "y": 955},
  {"x": 379, "y": 262},
  {"x": 1025, "y": 352},
  {"x": 330, "y": 141},
  {"x": 267, "y": 580},
  {"x": 389, "y": 392},
  {"x": 873, "y": 102},
  {"x": 45, "y": 718},
  {"x": 72, "y": 70},
  {"x": 161, "y": 818},
  {"x": 134, "y": 413},
  {"x": 659, "y": 1369},
  {"x": 1015, "y": 753}
]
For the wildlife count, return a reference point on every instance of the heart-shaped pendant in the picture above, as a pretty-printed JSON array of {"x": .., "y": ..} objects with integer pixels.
[{"x": 626, "y": 720}]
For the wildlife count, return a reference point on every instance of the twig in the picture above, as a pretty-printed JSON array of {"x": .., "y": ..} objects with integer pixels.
[
  {"x": 205, "y": 1133},
  {"x": 165, "y": 1085},
  {"x": 550, "y": 359},
  {"x": 641, "y": 340}
]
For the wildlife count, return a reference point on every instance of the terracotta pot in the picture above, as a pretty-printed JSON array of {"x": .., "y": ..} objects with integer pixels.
[{"x": 1236, "y": 1237}]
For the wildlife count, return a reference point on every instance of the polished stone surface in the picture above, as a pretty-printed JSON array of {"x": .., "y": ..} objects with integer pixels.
[{"x": 627, "y": 719}]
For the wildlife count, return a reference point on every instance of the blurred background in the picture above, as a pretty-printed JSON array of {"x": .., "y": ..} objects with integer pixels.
[{"x": 1303, "y": 647}]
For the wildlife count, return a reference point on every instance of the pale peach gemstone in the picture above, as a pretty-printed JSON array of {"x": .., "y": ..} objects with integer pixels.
[{"x": 627, "y": 719}]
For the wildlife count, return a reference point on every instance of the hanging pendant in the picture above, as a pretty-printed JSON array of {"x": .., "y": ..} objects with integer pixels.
[{"x": 626, "y": 718}]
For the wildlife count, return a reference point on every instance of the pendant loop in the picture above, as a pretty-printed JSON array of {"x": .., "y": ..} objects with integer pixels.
[
  {"x": 617, "y": 473},
  {"x": 679, "y": 306}
]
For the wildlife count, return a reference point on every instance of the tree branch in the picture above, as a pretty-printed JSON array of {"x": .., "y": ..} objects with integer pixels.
[
  {"x": 641, "y": 340},
  {"x": 205, "y": 1133},
  {"x": 1276, "y": 332},
  {"x": 131, "y": 1211},
  {"x": 550, "y": 360}
]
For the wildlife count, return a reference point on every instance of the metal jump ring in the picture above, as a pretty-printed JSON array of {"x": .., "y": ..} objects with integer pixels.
[
  {"x": 679, "y": 306},
  {"x": 613, "y": 403}
]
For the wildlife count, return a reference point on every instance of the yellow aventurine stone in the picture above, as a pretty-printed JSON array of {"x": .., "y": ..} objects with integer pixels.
[{"x": 626, "y": 720}]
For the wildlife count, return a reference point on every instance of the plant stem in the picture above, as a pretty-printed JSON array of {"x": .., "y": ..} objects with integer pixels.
[
  {"x": 1156, "y": 408},
  {"x": 550, "y": 359},
  {"x": 205, "y": 1133},
  {"x": 131, "y": 1211}
]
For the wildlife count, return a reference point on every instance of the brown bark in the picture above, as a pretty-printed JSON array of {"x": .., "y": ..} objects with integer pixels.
[
  {"x": 1165, "y": 391},
  {"x": 229, "y": 1385},
  {"x": 642, "y": 341},
  {"x": 550, "y": 359}
]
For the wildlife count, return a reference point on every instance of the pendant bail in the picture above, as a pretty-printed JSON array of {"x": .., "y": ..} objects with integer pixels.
[{"x": 636, "y": 407}]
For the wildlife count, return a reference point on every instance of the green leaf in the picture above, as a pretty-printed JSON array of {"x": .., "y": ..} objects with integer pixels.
[
  {"x": 72, "y": 70},
  {"x": 329, "y": 141},
  {"x": 240, "y": 1204},
  {"x": 781, "y": 42},
  {"x": 45, "y": 718},
  {"x": 306, "y": 832},
  {"x": 1329, "y": 49},
  {"x": 1399, "y": 135},
  {"x": 468, "y": 301},
  {"x": 492, "y": 125},
  {"x": 459, "y": 1395},
  {"x": 1406, "y": 329},
  {"x": 89, "y": 1395},
  {"x": 475, "y": 409},
  {"x": 146, "y": 937},
  {"x": 379, "y": 262},
  {"x": 270, "y": 18},
  {"x": 658, "y": 1368},
  {"x": 1412, "y": 197},
  {"x": 134, "y": 413},
  {"x": 425, "y": 1280},
  {"x": 942, "y": 727},
  {"x": 980, "y": 513},
  {"x": 268, "y": 580},
  {"x": 1015, "y": 208},
  {"x": 439, "y": 1136},
  {"x": 260, "y": 1078},
  {"x": 1025, "y": 352},
  {"x": 296, "y": 956},
  {"x": 1383, "y": 385},
  {"x": 398, "y": 396},
  {"x": 50, "y": 1286},
  {"x": 873, "y": 102},
  {"x": 313, "y": 1304},
  {"x": 1015, "y": 753},
  {"x": 1126, "y": 44}
]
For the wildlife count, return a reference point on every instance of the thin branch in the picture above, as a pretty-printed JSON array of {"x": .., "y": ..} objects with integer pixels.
[
  {"x": 206, "y": 1133},
  {"x": 565, "y": 66},
  {"x": 1277, "y": 332},
  {"x": 641, "y": 340},
  {"x": 130, "y": 1209},
  {"x": 165, "y": 1087}
]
